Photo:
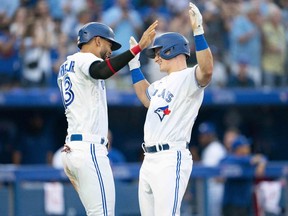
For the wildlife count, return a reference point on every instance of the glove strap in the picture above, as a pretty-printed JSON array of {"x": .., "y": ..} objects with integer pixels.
[
  {"x": 137, "y": 75},
  {"x": 200, "y": 42}
]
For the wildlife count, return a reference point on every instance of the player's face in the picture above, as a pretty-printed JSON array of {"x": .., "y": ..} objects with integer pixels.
[
  {"x": 163, "y": 64},
  {"x": 106, "y": 50}
]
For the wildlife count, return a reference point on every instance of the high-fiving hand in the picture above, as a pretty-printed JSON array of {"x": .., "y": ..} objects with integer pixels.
[
  {"x": 195, "y": 19},
  {"x": 148, "y": 35},
  {"x": 134, "y": 63}
]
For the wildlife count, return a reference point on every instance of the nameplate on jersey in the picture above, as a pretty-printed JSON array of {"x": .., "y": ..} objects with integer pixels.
[
  {"x": 165, "y": 94},
  {"x": 67, "y": 67}
]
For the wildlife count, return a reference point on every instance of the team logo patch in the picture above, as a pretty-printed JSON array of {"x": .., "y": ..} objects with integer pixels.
[{"x": 162, "y": 112}]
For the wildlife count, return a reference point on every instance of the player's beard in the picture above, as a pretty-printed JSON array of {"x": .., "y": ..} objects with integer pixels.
[{"x": 104, "y": 54}]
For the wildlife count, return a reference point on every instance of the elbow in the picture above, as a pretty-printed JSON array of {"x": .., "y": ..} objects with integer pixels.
[
  {"x": 146, "y": 105},
  {"x": 208, "y": 71}
]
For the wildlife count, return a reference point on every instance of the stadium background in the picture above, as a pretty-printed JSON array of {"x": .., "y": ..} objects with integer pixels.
[{"x": 258, "y": 110}]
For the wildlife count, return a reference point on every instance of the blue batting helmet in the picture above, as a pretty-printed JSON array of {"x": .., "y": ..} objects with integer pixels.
[
  {"x": 93, "y": 29},
  {"x": 171, "y": 44}
]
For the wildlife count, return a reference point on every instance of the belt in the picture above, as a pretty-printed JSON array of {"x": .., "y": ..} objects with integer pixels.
[
  {"x": 87, "y": 138},
  {"x": 158, "y": 147}
]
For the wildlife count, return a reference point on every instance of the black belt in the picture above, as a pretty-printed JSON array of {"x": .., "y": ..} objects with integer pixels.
[
  {"x": 152, "y": 149},
  {"x": 159, "y": 147}
]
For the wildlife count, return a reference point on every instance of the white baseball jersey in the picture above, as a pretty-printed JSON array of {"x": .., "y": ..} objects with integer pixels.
[
  {"x": 84, "y": 98},
  {"x": 174, "y": 104}
]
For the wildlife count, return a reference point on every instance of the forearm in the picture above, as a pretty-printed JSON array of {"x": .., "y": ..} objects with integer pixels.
[
  {"x": 140, "y": 85},
  {"x": 105, "y": 69},
  {"x": 204, "y": 59},
  {"x": 140, "y": 90},
  {"x": 205, "y": 64}
]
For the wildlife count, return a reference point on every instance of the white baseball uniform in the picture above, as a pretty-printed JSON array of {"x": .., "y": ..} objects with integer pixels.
[
  {"x": 174, "y": 104},
  {"x": 87, "y": 165}
]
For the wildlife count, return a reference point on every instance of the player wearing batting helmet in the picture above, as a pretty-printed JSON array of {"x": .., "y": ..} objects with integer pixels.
[{"x": 173, "y": 103}]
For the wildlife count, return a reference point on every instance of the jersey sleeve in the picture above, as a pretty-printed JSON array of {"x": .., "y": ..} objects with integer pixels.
[
  {"x": 191, "y": 81},
  {"x": 85, "y": 60}
]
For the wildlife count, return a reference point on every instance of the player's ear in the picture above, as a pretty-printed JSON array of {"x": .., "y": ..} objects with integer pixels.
[{"x": 97, "y": 41}]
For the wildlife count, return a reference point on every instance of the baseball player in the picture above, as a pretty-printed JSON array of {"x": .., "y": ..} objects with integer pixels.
[
  {"x": 81, "y": 82},
  {"x": 173, "y": 103}
]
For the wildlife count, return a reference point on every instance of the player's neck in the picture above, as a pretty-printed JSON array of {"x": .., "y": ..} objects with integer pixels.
[{"x": 177, "y": 65}]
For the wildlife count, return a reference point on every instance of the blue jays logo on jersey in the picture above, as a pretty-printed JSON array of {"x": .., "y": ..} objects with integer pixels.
[{"x": 162, "y": 112}]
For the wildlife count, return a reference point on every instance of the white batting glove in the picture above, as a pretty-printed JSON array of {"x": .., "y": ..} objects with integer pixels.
[
  {"x": 196, "y": 19},
  {"x": 134, "y": 63}
]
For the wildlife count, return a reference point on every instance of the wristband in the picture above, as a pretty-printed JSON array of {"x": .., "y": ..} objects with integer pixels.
[
  {"x": 137, "y": 75},
  {"x": 136, "y": 49},
  {"x": 200, "y": 42}
]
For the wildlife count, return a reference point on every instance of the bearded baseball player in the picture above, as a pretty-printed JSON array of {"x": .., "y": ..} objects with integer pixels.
[
  {"x": 173, "y": 104},
  {"x": 81, "y": 82}
]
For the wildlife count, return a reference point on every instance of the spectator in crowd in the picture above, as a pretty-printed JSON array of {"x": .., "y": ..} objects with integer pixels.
[
  {"x": 8, "y": 7},
  {"x": 274, "y": 48},
  {"x": 180, "y": 23},
  {"x": 32, "y": 24},
  {"x": 245, "y": 41},
  {"x": 177, "y": 8},
  {"x": 9, "y": 58},
  {"x": 35, "y": 144},
  {"x": 125, "y": 21},
  {"x": 69, "y": 20},
  {"x": 38, "y": 41},
  {"x": 220, "y": 77},
  {"x": 75, "y": 6},
  {"x": 284, "y": 5},
  {"x": 241, "y": 78},
  {"x": 56, "y": 11},
  {"x": 83, "y": 17},
  {"x": 152, "y": 8},
  {"x": 211, "y": 155},
  {"x": 229, "y": 136},
  {"x": 59, "y": 52},
  {"x": 215, "y": 29},
  {"x": 233, "y": 204},
  {"x": 18, "y": 22}
]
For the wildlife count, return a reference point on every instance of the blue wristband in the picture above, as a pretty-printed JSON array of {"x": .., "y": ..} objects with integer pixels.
[
  {"x": 200, "y": 42},
  {"x": 137, "y": 75}
]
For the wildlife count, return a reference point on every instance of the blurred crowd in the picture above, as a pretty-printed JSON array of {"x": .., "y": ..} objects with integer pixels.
[{"x": 247, "y": 37}]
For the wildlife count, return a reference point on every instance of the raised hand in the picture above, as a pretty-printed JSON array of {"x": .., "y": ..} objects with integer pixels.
[
  {"x": 195, "y": 19},
  {"x": 148, "y": 35}
]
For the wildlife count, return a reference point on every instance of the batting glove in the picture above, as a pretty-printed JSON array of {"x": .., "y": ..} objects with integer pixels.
[
  {"x": 196, "y": 19},
  {"x": 134, "y": 63}
]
